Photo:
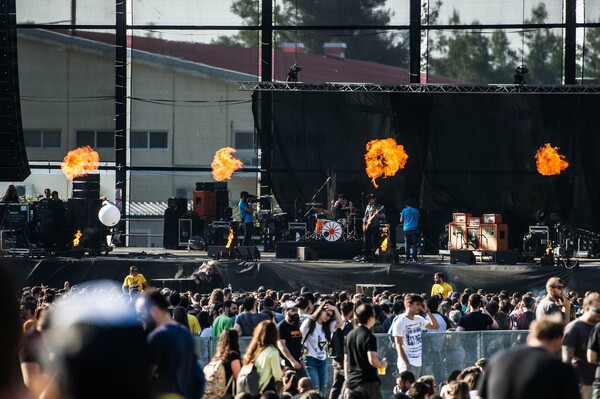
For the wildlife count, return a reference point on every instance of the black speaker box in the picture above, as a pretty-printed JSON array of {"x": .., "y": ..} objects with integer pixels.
[
  {"x": 179, "y": 205},
  {"x": 506, "y": 257},
  {"x": 222, "y": 204},
  {"x": 247, "y": 252},
  {"x": 14, "y": 165},
  {"x": 460, "y": 257},
  {"x": 305, "y": 253},
  {"x": 215, "y": 251}
]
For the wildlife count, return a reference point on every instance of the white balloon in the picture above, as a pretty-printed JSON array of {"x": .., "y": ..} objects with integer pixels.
[{"x": 109, "y": 214}]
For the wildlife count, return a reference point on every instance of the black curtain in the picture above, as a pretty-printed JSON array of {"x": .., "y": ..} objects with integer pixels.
[{"x": 467, "y": 152}]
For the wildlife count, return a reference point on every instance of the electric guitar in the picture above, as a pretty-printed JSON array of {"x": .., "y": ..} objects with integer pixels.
[{"x": 370, "y": 219}]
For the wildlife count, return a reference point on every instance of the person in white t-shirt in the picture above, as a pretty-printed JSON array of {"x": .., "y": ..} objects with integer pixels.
[
  {"x": 407, "y": 329},
  {"x": 316, "y": 334}
]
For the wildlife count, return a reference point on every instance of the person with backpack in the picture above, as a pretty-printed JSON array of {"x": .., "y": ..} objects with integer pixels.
[
  {"x": 222, "y": 371},
  {"x": 316, "y": 334},
  {"x": 262, "y": 364}
]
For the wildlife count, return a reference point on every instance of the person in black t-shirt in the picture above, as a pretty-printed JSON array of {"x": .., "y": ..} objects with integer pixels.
[
  {"x": 361, "y": 360},
  {"x": 347, "y": 310},
  {"x": 534, "y": 371},
  {"x": 290, "y": 339},
  {"x": 209, "y": 279},
  {"x": 476, "y": 319}
]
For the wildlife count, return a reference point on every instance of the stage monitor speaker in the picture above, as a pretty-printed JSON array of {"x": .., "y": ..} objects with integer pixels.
[
  {"x": 306, "y": 253},
  {"x": 14, "y": 165},
  {"x": 247, "y": 252},
  {"x": 215, "y": 251},
  {"x": 462, "y": 257},
  {"x": 205, "y": 203},
  {"x": 506, "y": 257}
]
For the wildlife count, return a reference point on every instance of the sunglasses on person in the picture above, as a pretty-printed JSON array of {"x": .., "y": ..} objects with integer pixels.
[
  {"x": 560, "y": 287},
  {"x": 593, "y": 309}
]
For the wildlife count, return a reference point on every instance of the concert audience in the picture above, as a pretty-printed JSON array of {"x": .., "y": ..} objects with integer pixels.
[{"x": 443, "y": 310}]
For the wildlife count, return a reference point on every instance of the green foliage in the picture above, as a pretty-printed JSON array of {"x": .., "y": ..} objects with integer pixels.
[
  {"x": 379, "y": 46},
  {"x": 591, "y": 53},
  {"x": 544, "y": 50}
]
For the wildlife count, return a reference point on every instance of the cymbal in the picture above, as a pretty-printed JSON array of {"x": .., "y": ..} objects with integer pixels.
[
  {"x": 280, "y": 214},
  {"x": 313, "y": 203},
  {"x": 267, "y": 196},
  {"x": 347, "y": 208}
]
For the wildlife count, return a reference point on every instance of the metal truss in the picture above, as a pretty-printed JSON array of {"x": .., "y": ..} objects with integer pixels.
[{"x": 417, "y": 88}]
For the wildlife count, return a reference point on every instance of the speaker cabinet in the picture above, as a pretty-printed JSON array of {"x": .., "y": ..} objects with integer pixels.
[
  {"x": 494, "y": 237},
  {"x": 506, "y": 257},
  {"x": 205, "y": 203},
  {"x": 305, "y": 253},
  {"x": 462, "y": 257},
  {"x": 247, "y": 252},
  {"x": 14, "y": 165},
  {"x": 457, "y": 235}
]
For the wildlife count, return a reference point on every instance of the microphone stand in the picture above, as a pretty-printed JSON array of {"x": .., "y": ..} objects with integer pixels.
[{"x": 312, "y": 200}]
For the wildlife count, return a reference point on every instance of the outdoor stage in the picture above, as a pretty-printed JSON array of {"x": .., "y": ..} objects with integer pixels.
[{"x": 174, "y": 268}]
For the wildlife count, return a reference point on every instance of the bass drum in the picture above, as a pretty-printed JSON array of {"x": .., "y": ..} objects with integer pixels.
[{"x": 331, "y": 231}]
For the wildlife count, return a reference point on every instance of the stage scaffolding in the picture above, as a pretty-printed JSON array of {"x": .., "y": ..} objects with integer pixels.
[{"x": 418, "y": 88}]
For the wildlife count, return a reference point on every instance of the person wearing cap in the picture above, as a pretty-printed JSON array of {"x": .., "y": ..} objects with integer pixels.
[
  {"x": 290, "y": 338},
  {"x": 135, "y": 280},
  {"x": 555, "y": 302}
]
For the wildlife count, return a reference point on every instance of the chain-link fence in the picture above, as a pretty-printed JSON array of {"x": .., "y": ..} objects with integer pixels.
[{"x": 442, "y": 352}]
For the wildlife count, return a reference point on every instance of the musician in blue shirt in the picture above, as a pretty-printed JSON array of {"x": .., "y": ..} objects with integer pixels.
[
  {"x": 410, "y": 218},
  {"x": 245, "y": 208}
]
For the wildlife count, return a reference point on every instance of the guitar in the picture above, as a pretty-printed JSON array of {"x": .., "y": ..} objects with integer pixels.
[{"x": 370, "y": 219}]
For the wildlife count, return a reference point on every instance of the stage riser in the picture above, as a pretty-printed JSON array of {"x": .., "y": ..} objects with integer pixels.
[{"x": 325, "y": 250}]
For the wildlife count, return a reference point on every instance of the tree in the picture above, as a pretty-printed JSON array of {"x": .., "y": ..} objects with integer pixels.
[
  {"x": 369, "y": 44},
  {"x": 544, "y": 50},
  {"x": 591, "y": 53},
  {"x": 471, "y": 55}
]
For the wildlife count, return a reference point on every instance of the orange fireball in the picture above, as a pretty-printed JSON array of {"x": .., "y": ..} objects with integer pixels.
[
  {"x": 230, "y": 238},
  {"x": 224, "y": 164},
  {"x": 79, "y": 162},
  {"x": 384, "y": 158},
  {"x": 76, "y": 238},
  {"x": 549, "y": 162}
]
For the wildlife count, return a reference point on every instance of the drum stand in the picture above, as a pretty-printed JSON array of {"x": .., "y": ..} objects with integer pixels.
[{"x": 350, "y": 232}]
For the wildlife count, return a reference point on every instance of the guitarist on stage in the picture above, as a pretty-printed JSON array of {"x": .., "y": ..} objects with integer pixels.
[{"x": 371, "y": 221}]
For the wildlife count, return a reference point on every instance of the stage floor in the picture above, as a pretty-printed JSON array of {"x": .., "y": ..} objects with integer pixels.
[{"x": 173, "y": 268}]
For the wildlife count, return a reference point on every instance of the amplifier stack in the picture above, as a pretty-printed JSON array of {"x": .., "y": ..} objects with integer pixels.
[{"x": 485, "y": 233}]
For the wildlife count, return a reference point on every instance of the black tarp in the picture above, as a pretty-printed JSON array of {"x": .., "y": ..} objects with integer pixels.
[
  {"x": 291, "y": 275},
  {"x": 467, "y": 152}
]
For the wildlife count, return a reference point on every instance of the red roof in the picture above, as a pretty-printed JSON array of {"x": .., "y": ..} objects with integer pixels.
[{"x": 315, "y": 68}]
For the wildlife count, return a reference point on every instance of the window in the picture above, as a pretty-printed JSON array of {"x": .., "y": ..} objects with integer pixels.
[
  {"x": 149, "y": 140},
  {"x": 95, "y": 139},
  {"x": 246, "y": 151},
  {"x": 243, "y": 140},
  {"x": 42, "y": 138}
]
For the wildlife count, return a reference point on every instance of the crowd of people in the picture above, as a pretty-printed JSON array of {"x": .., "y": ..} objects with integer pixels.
[{"x": 296, "y": 335}]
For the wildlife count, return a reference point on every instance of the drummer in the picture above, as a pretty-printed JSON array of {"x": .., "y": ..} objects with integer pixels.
[{"x": 342, "y": 207}]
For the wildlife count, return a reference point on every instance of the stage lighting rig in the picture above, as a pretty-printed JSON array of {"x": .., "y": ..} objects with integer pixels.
[{"x": 520, "y": 73}]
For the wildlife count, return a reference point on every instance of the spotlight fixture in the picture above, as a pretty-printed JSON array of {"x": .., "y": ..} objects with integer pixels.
[
  {"x": 520, "y": 72},
  {"x": 293, "y": 73}
]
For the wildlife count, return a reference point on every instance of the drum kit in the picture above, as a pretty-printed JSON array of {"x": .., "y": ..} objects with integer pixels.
[{"x": 329, "y": 228}]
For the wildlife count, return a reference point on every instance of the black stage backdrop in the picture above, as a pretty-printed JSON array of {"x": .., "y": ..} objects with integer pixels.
[
  {"x": 467, "y": 152},
  {"x": 292, "y": 275}
]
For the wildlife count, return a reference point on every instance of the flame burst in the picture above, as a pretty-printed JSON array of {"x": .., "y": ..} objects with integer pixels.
[
  {"x": 230, "y": 238},
  {"x": 384, "y": 243},
  {"x": 383, "y": 158},
  {"x": 224, "y": 164},
  {"x": 76, "y": 238},
  {"x": 79, "y": 162},
  {"x": 549, "y": 162}
]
